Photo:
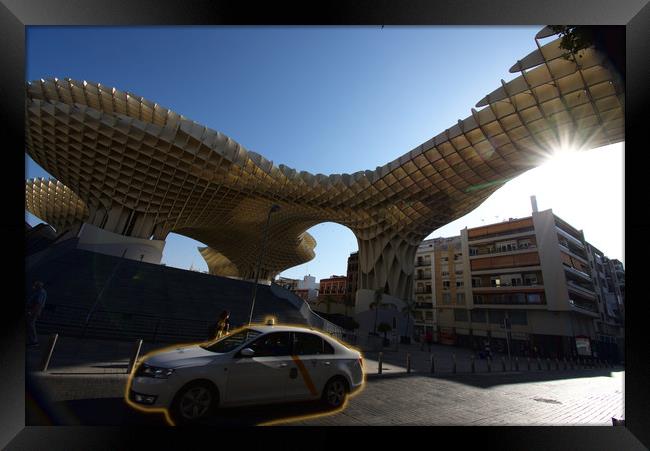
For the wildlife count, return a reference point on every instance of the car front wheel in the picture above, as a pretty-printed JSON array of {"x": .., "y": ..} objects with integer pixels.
[
  {"x": 194, "y": 402},
  {"x": 335, "y": 392}
]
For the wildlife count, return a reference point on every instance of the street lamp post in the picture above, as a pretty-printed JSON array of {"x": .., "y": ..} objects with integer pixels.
[{"x": 273, "y": 209}]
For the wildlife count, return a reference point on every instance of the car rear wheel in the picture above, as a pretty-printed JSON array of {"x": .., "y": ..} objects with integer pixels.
[
  {"x": 194, "y": 402},
  {"x": 335, "y": 392}
]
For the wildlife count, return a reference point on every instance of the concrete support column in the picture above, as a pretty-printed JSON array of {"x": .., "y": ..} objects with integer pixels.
[{"x": 387, "y": 261}]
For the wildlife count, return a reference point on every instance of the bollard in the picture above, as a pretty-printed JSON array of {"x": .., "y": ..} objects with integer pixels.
[
  {"x": 433, "y": 365},
  {"x": 379, "y": 362},
  {"x": 503, "y": 364},
  {"x": 539, "y": 364},
  {"x": 516, "y": 363},
  {"x": 548, "y": 364},
  {"x": 408, "y": 362},
  {"x": 565, "y": 364},
  {"x": 472, "y": 366},
  {"x": 134, "y": 356},
  {"x": 489, "y": 364},
  {"x": 453, "y": 368},
  {"x": 528, "y": 363},
  {"x": 50, "y": 350},
  {"x": 557, "y": 364}
]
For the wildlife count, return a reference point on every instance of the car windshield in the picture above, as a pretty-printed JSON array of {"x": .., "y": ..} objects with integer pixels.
[{"x": 230, "y": 342}]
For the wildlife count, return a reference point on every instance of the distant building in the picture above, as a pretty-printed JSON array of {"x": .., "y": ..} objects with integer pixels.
[
  {"x": 289, "y": 284},
  {"x": 352, "y": 278},
  {"x": 559, "y": 295},
  {"x": 332, "y": 294},
  {"x": 439, "y": 270}
]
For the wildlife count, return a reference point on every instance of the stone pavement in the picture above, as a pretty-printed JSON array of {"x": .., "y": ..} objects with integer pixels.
[
  {"x": 86, "y": 384},
  {"x": 588, "y": 397}
]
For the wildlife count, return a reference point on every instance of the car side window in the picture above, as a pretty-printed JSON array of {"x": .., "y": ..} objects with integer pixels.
[
  {"x": 310, "y": 344},
  {"x": 273, "y": 344},
  {"x": 328, "y": 348}
]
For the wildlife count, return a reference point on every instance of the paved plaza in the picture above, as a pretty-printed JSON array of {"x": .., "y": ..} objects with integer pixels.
[{"x": 79, "y": 389}]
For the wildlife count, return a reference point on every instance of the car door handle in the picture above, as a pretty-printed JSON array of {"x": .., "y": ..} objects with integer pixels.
[
  {"x": 326, "y": 363},
  {"x": 282, "y": 365}
]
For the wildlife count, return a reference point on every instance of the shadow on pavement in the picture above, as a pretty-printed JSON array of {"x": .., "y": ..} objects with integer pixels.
[
  {"x": 487, "y": 380},
  {"x": 115, "y": 412}
]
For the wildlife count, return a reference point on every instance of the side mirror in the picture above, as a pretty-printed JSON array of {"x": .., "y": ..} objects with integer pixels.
[{"x": 247, "y": 352}]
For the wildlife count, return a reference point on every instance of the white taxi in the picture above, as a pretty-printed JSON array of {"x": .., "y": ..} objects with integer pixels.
[{"x": 260, "y": 364}]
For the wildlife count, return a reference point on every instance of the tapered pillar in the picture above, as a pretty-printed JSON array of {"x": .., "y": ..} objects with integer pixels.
[{"x": 387, "y": 261}]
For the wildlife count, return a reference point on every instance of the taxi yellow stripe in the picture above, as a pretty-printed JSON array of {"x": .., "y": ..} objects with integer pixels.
[{"x": 305, "y": 375}]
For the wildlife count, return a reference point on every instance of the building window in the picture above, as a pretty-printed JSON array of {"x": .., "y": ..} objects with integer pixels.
[
  {"x": 473, "y": 251},
  {"x": 530, "y": 279},
  {"x": 515, "y": 281},
  {"x": 478, "y": 316},
  {"x": 460, "y": 315},
  {"x": 459, "y": 283},
  {"x": 495, "y": 282},
  {"x": 446, "y": 284},
  {"x": 444, "y": 259},
  {"x": 518, "y": 317},
  {"x": 519, "y": 298},
  {"x": 478, "y": 299},
  {"x": 460, "y": 298},
  {"x": 505, "y": 246},
  {"x": 476, "y": 282},
  {"x": 446, "y": 298},
  {"x": 457, "y": 256},
  {"x": 444, "y": 273},
  {"x": 496, "y": 316},
  {"x": 534, "y": 298}
]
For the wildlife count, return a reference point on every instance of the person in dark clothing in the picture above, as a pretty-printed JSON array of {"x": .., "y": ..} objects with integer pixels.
[
  {"x": 34, "y": 307},
  {"x": 220, "y": 327}
]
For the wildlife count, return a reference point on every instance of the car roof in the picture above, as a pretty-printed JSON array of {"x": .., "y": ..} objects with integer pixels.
[{"x": 284, "y": 328}]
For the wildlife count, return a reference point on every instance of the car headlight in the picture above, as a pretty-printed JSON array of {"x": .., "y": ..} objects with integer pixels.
[{"x": 154, "y": 371}]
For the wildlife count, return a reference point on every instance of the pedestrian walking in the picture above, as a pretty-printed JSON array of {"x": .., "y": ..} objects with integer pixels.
[
  {"x": 488, "y": 353},
  {"x": 34, "y": 307}
]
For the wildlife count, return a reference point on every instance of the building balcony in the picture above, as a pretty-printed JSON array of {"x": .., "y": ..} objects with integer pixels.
[
  {"x": 422, "y": 263},
  {"x": 570, "y": 237},
  {"x": 583, "y": 291},
  {"x": 423, "y": 277},
  {"x": 424, "y": 305},
  {"x": 515, "y": 233},
  {"x": 510, "y": 288},
  {"x": 577, "y": 272},
  {"x": 494, "y": 250},
  {"x": 423, "y": 292},
  {"x": 572, "y": 253}
]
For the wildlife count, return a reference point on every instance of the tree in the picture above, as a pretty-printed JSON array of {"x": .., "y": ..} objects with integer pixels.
[
  {"x": 385, "y": 328},
  {"x": 607, "y": 39}
]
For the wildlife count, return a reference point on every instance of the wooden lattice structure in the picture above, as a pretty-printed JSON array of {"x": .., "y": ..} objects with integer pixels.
[{"x": 144, "y": 171}]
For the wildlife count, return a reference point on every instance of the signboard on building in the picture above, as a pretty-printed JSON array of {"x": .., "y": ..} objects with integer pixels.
[{"x": 583, "y": 346}]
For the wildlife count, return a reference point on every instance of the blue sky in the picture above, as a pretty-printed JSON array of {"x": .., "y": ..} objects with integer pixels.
[{"x": 321, "y": 99}]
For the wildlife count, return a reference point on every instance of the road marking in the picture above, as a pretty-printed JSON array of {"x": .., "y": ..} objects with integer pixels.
[{"x": 305, "y": 375}]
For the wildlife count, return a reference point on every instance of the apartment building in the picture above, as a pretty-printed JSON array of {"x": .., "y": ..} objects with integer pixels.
[
  {"x": 439, "y": 282},
  {"x": 536, "y": 274},
  {"x": 609, "y": 327},
  {"x": 332, "y": 294}
]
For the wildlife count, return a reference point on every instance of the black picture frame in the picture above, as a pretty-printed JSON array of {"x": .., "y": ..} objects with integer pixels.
[{"x": 15, "y": 15}]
